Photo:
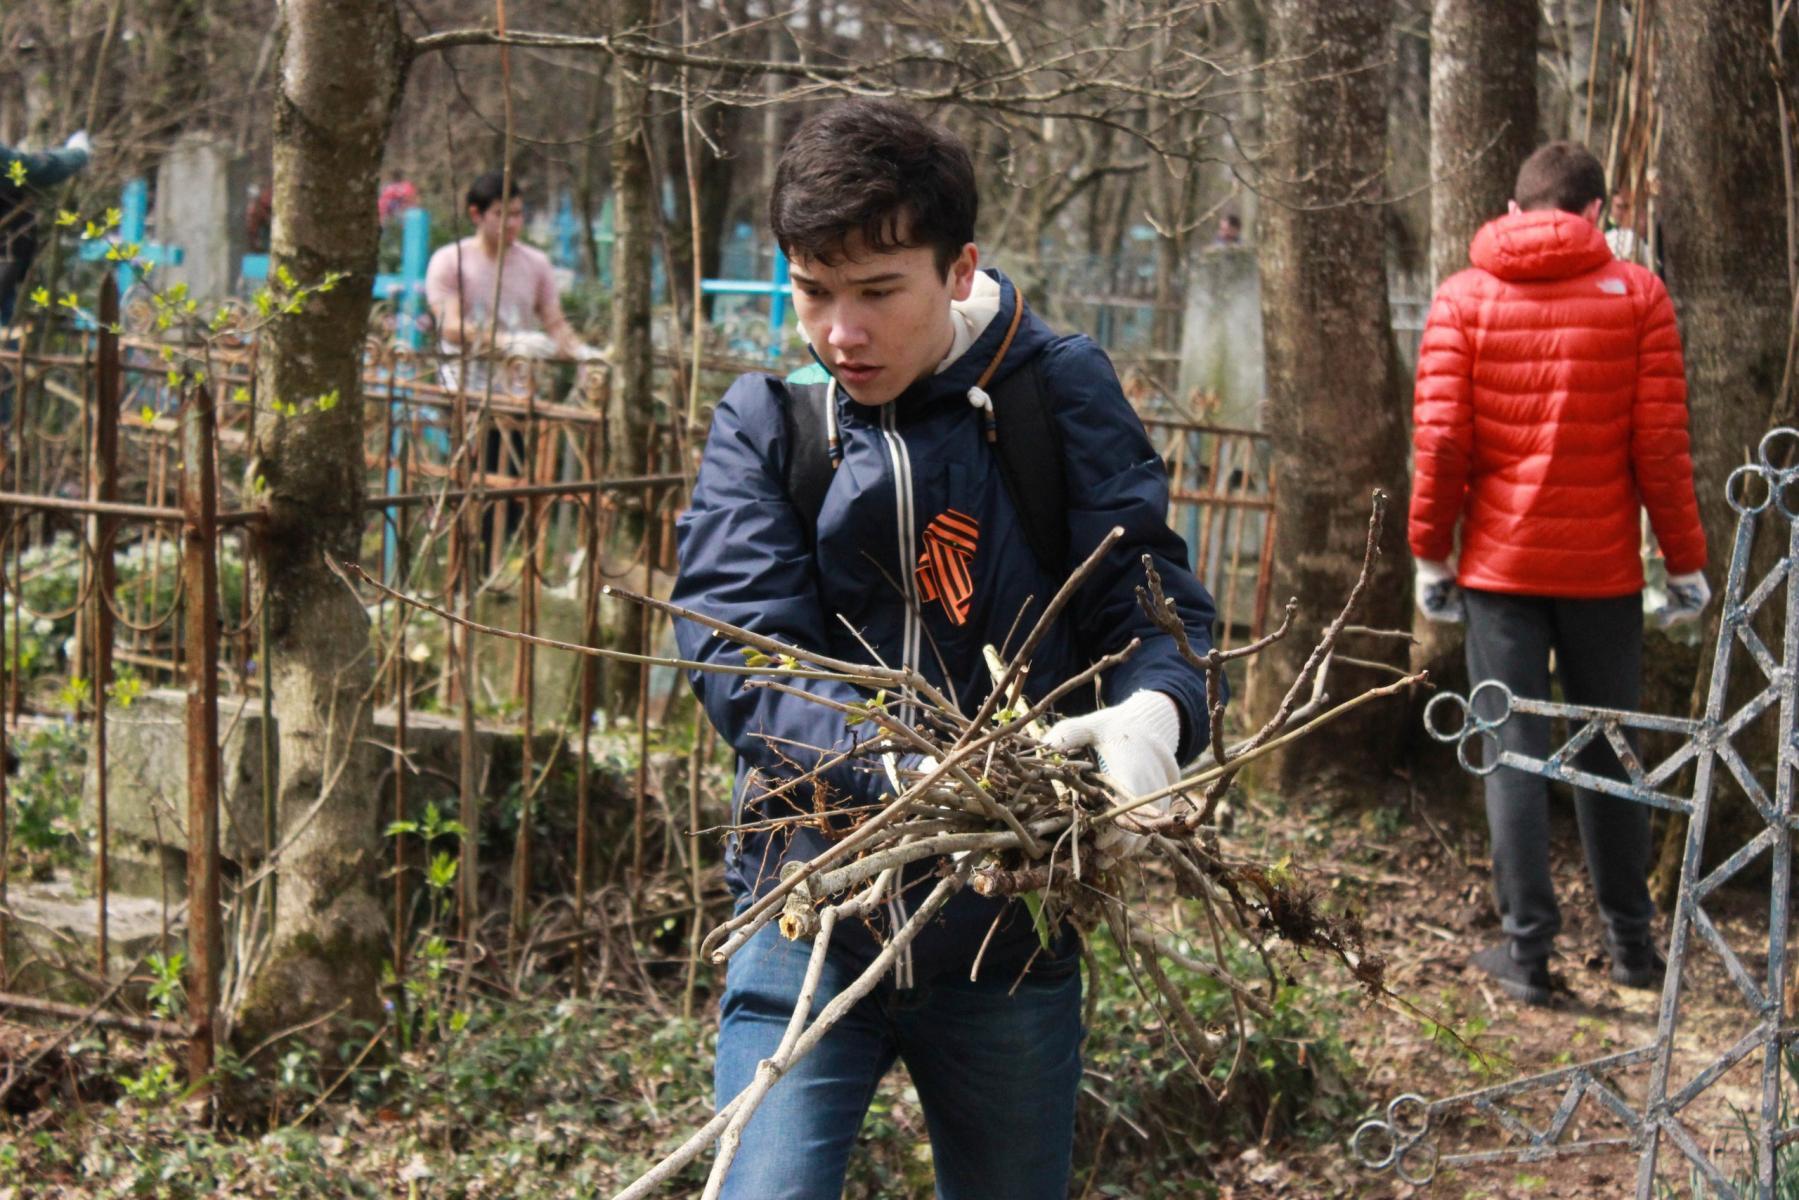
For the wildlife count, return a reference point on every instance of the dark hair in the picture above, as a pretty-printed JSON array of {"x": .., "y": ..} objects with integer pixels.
[
  {"x": 875, "y": 168},
  {"x": 1562, "y": 175},
  {"x": 487, "y": 189}
]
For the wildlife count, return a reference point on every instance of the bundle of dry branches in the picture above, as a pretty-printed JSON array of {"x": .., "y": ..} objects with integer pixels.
[{"x": 1004, "y": 815}]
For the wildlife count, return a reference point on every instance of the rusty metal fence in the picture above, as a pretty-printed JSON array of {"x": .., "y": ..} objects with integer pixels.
[
  {"x": 1221, "y": 491},
  {"x": 135, "y": 629},
  {"x": 130, "y": 566}
]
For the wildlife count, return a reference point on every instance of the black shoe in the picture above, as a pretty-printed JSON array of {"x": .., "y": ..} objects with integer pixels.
[
  {"x": 1638, "y": 965},
  {"x": 1526, "y": 979}
]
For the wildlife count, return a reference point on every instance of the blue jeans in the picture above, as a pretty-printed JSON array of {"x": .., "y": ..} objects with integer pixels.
[{"x": 996, "y": 1074}]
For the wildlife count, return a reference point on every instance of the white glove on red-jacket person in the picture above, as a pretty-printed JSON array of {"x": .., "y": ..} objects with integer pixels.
[
  {"x": 1135, "y": 743},
  {"x": 1687, "y": 597},
  {"x": 1435, "y": 591}
]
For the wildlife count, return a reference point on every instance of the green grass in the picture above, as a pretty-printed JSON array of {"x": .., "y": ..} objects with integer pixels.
[{"x": 542, "y": 1098}]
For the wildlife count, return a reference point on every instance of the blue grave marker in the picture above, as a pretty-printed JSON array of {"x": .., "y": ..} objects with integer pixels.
[
  {"x": 134, "y": 214},
  {"x": 775, "y": 288},
  {"x": 407, "y": 287},
  {"x": 567, "y": 230}
]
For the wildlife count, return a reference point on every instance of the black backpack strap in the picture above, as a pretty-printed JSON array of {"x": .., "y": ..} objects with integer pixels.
[
  {"x": 1028, "y": 442},
  {"x": 1030, "y": 460},
  {"x": 809, "y": 464}
]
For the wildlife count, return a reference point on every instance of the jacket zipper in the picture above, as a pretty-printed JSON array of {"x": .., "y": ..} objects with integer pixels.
[{"x": 913, "y": 634}]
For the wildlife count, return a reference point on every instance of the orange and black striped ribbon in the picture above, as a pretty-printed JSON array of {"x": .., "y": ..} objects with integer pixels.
[{"x": 943, "y": 564}]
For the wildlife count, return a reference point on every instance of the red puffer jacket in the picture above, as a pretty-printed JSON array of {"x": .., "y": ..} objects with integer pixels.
[{"x": 1551, "y": 402}]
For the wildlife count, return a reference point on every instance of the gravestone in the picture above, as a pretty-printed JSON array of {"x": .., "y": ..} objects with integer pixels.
[
  {"x": 147, "y": 781},
  {"x": 52, "y": 922},
  {"x": 1221, "y": 339},
  {"x": 200, "y": 194}
]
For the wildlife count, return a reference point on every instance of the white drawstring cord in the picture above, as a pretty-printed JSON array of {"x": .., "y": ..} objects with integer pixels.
[
  {"x": 832, "y": 436},
  {"x": 981, "y": 402}
]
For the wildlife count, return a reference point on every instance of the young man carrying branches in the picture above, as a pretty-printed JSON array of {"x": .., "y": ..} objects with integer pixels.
[{"x": 922, "y": 497}]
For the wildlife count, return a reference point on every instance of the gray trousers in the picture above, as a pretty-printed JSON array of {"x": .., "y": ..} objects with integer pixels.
[{"x": 1598, "y": 648}]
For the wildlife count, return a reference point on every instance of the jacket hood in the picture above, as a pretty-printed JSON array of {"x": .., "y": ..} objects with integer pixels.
[
  {"x": 950, "y": 384},
  {"x": 1545, "y": 244}
]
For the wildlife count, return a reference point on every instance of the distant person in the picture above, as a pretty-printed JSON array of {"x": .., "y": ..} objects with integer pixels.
[
  {"x": 459, "y": 287},
  {"x": 1629, "y": 232},
  {"x": 259, "y": 218},
  {"x": 18, "y": 196},
  {"x": 1550, "y": 410},
  {"x": 395, "y": 199},
  {"x": 1229, "y": 231},
  {"x": 1623, "y": 238}
]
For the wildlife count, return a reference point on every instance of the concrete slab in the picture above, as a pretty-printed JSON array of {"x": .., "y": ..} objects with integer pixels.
[
  {"x": 147, "y": 779},
  {"x": 56, "y": 922}
]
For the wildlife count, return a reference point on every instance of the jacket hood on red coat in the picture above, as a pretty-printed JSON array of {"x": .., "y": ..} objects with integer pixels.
[{"x": 1544, "y": 244}]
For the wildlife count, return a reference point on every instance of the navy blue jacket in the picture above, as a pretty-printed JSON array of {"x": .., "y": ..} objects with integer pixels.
[
  {"x": 748, "y": 558},
  {"x": 18, "y": 225}
]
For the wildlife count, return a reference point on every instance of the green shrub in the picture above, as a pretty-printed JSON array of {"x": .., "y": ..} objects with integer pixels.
[
  {"x": 45, "y": 797},
  {"x": 1147, "y": 1127}
]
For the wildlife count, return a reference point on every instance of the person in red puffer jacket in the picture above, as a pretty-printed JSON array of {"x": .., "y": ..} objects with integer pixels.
[{"x": 1549, "y": 411}]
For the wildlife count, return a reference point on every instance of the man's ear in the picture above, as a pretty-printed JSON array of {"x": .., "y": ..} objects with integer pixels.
[
  {"x": 961, "y": 272},
  {"x": 1511, "y": 208},
  {"x": 1592, "y": 210}
]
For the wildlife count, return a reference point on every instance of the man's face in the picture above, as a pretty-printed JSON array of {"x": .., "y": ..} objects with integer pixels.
[
  {"x": 501, "y": 224},
  {"x": 1624, "y": 210},
  {"x": 880, "y": 321}
]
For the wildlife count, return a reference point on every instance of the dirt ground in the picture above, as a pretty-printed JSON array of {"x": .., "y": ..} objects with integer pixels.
[
  {"x": 1420, "y": 874},
  {"x": 1417, "y": 872}
]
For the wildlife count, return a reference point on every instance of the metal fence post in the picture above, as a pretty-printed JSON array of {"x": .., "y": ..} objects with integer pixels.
[
  {"x": 199, "y": 566},
  {"x": 103, "y": 530},
  {"x": 593, "y": 579}
]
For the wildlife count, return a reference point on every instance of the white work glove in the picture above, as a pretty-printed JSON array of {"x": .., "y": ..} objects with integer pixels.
[
  {"x": 1135, "y": 743},
  {"x": 79, "y": 140},
  {"x": 1436, "y": 594},
  {"x": 526, "y": 343},
  {"x": 1687, "y": 598}
]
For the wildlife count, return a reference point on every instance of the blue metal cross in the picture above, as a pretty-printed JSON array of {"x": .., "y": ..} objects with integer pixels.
[{"x": 134, "y": 214}]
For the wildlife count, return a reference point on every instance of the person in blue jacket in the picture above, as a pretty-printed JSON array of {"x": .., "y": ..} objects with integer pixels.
[
  {"x": 22, "y": 176},
  {"x": 876, "y": 209}
]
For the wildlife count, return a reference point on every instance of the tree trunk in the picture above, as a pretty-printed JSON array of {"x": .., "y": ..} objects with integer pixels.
[
  {"x": 718, "y": 178},
  {"x": 1333, "y": 414},
  {"x": 1483, "y": 117},
  {"x": 1165, "y": 191},
  {"x": 1584, "y": 48},
  {"x": 587, "y": 178},
  {"x": 1723, "y": 212},
  {"x": 1483, "y": 123},
  {"x": 634, "y": 232},
  {"x": 331, "y": 126},
  {"x": 723, "y": 126},
  {"x": 1726, "y": 245}
]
